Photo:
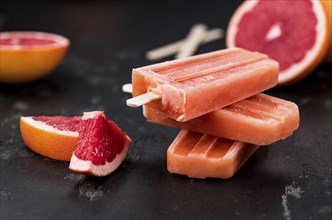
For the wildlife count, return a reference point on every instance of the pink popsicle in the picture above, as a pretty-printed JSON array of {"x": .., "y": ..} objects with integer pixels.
[
  {"x": 200, "y": 156},
  {"x": 260, "y": 119},
  {"x": 186, "y": 88}
]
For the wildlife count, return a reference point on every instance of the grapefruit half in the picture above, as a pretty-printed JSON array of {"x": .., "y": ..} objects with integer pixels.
[
  {"x": 294, "y": 33},
  {"x": 28, "y": 56},
  {"x": 102, "y": 146}
]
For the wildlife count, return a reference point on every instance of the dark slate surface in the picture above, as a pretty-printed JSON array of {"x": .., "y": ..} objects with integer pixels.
[{"x": 290, "y": 179}]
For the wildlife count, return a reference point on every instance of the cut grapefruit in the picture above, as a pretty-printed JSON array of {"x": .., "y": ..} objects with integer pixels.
[
  {"x": 54, "y": 137},
  {"x": 102, "y": 146},
  {"x": 28, "y": 56},
  {"x": 294, "y": 33},
  {"x": 93, "y": 144}
]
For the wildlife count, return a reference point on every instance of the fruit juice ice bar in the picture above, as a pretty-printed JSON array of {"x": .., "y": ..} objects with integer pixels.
[
  {"x": 190, "y": 87},
  {"x": 260, "y": 119},
  {"x": 200, "y": 155}
]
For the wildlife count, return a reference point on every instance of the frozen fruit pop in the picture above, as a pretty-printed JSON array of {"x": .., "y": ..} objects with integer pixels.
[
  {"x": 260, "y": 119},
  {"x": 200, "y": 155},
  {"x": 190, "y": 87}
]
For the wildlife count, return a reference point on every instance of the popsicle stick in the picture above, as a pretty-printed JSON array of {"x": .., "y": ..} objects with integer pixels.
[
  {"x": 214, "y": 34},
  {"x": 128, "y": 88},
  {"x": 143, "y": 99},
  {"x": 193, "y": 40},
  {"x": 172, "y": 48},
  {"x": 139, "y": 100}
]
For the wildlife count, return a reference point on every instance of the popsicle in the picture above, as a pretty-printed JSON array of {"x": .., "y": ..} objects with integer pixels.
[
  {"x": 200, "y": 156},
  {"x": 261, "y": 119},
  {"x": 186, "y": 88}
]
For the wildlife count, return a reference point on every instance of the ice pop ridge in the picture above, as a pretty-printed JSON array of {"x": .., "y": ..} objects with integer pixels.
[
  {"x": 193, "y": 86},
  {"x": 260, "y": 119},
  {"x": 200, "y": 156}
]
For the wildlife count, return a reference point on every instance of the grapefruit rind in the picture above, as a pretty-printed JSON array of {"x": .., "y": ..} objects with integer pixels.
[
  {"x": 22, "y": 64},
  {"x": 312, "y": 59},
  {"x": 88, "y": 168},
  {"x": 47, "y": 141},
  {"x": 328, "y": 11}
]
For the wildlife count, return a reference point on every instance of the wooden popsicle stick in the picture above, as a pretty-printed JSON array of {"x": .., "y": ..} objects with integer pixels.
[
  {"x": 143, "y": 99},
  {"x": 139, "y": 100},
  {"x": 128, "y": 87},
  {"x": 193, "y": 40},
  {"x": 172, "y": 48},
  {"x": 213, "y": 34}
]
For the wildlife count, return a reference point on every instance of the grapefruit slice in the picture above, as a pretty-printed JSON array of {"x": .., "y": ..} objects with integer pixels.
[
  {"x": 102, "y": 146},
  {"x": 28, "y": 56},
  {"x": 294, "y": 33},
  {"x": 54, "y": 137}
]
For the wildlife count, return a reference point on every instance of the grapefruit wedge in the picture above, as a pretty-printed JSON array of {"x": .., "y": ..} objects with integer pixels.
[
  {"x": 28, "y": 56},
  {"x": 102, "y": 146},
  {"x": 54, "y": 137},
  {"x": 294, "y": 33}
]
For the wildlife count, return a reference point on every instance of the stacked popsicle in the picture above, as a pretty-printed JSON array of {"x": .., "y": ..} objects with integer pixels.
[{"x": 216, "y": 99}]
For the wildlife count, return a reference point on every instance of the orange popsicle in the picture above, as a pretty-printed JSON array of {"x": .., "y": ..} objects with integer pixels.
[
  {"x": 186, "y": 88},
  {"x": 260, "y": 119},
  {"x": 200, "y": 156}
]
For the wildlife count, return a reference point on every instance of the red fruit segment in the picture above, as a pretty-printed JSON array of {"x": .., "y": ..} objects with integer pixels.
[
  {"x": 102, "y": 146},
  {"x": 60, "y": 122},
  {"x": 30, "y": 40},
  {"x": 24, "y": 41}
]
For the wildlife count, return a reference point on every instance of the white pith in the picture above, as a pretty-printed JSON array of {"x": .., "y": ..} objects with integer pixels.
[
  {"x": 79, "y": 165},
  {"x": 311, "y": 55},
  {"x": 93, "y": 114},
  {"x": 43, "y": 126}
]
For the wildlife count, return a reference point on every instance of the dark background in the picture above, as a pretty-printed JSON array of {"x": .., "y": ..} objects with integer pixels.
[{"x": 290, "y": 179}]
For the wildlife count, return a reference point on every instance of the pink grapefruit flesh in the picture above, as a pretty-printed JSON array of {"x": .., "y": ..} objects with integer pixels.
[
  {"x": 62, "y": 123},
  {"x": 294, "y": 33},
  {"x": 25, "y": 41},
  {"x": 102, "y": 146}
]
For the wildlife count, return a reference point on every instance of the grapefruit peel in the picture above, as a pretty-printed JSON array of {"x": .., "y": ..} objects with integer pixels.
[{"x": 328, "y": 11}]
